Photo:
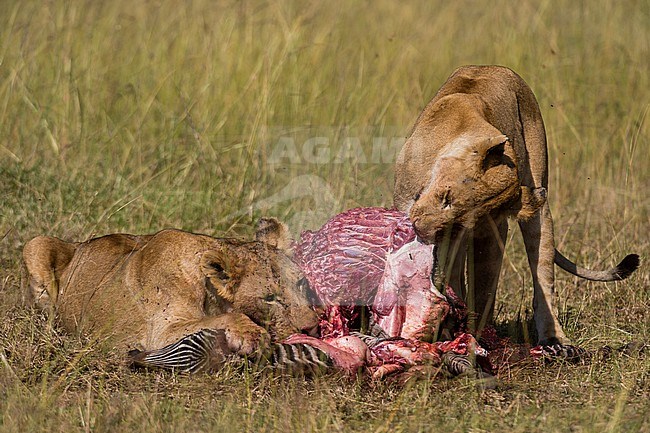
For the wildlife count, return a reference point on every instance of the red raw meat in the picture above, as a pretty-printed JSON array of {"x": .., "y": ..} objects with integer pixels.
[
  {"x": 344, "y": 260},
  {"x": 370, "y": 257},
  {"x": 407, "y": 304},
  {"x": 349, "y": 353}
]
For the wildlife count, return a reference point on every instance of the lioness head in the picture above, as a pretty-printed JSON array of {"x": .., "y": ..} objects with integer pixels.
[
  {"x": 470, "y": 177},
  {"x": 260, "y": 280}
]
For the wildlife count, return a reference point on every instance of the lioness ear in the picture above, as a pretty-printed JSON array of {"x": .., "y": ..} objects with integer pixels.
[
  {"x": 273, "y": 232},
  {"x": 492, "y": 144},
  {"x": 221, "y": 269}
]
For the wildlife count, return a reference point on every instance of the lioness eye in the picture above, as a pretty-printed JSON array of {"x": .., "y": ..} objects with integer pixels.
[{"x": 270, "y": 297}]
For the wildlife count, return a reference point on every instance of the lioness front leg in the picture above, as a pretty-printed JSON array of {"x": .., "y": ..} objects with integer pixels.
[
  {"x": 242, "y": 335},
  {"x": 540, "y": 248},
  {"x": 487, "y": 257},
  {"x": 204, "y": 344}
]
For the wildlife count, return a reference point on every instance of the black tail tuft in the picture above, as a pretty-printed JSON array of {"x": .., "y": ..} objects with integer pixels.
[{"x": 627, "y": 266}]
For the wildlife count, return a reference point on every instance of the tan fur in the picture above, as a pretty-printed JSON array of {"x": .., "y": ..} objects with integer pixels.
[
  {"x": 458, "y": 174},
  {"x": 145, "y": 292}
]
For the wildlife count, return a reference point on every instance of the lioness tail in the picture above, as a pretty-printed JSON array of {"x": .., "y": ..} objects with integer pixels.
[{"x": 620, "y": 272}]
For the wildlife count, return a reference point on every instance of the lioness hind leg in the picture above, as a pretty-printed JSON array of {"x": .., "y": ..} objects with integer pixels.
[
  {"x": 484, "y": 266},
  {"x": 45, "y": 258},
  {"x": 540, "y": 248}
]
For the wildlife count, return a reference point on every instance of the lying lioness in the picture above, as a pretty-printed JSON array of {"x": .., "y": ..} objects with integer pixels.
[
  {"x": 476, "y": 155},
  {"x": 204, "y": 297}
]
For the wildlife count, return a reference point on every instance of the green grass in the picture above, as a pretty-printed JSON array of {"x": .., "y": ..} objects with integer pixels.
[{"x": 134, "y": 116}]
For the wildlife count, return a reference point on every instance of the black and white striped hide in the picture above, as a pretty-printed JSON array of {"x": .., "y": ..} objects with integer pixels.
[
  {"x": 296, "y": 358},
  {"x": 372, "y": 340},
  {"x": 206, "y": 351},
  {"x": 564, "y": 352},
  {"x": 458, "y": 365},
  {"x": 202, "y": 351}
]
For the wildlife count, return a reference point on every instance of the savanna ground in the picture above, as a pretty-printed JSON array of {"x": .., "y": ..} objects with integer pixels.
[{"x": 135, "y": 116}]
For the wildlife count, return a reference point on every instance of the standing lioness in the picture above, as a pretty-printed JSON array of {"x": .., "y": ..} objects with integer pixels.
[{"x": 477, "y": 154}]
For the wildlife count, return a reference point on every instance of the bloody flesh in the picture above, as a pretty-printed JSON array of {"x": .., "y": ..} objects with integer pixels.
[{"x": 370, "y": 257}]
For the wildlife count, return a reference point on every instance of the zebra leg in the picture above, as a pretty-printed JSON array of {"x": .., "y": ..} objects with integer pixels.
[
  {"x": 296, "y": 358},
  {"x": 373, "y": 340},
  {"x": 349, "y": 354},
  {"x": 202, "y": 351},
  {"x": 561, "y": 352},
  {"x": 206, "y": 351},
  {"x": 463, "y": 365},
  {"x": 457, "y": 364},
  {"x": 375, "y": 330}
]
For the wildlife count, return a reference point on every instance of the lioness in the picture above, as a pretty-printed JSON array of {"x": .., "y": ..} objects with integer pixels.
[
  {"x": 476, "y": 155},
  {"x": 174, "y": 289}
]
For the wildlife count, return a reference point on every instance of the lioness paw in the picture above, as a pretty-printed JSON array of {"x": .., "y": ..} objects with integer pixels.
[{"x": 246, "y": 338}]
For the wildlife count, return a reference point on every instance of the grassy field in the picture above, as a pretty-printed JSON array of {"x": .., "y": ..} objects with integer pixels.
[{"x": 135, "y": 116}]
